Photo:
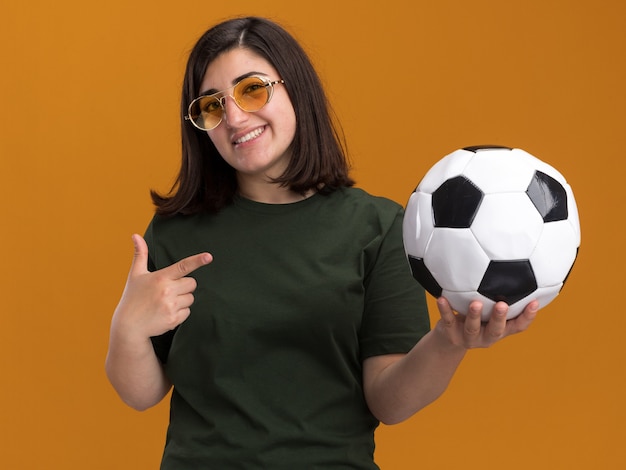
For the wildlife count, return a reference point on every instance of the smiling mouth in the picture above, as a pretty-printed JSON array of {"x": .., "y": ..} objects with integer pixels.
[{"x": 249, "y": 136}]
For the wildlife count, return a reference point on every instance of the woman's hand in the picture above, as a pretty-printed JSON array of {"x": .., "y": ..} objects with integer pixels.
[
  {"x": 156, "y": 302},
  {"x": 468, "y": 331}
]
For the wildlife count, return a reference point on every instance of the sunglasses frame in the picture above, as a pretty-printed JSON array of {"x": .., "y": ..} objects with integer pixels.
[{"x": 222, "y": 95}]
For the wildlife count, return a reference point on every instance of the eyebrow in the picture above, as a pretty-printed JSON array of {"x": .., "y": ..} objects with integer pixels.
[{"x": 212, "y": 91}]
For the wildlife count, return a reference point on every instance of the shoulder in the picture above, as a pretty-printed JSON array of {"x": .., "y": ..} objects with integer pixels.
[
  {"x": 173, "y": 238},
  {"x": 367, "y": 205},
  {"x": 164, "y": 225},
  {"x": 358, "y": 197}
]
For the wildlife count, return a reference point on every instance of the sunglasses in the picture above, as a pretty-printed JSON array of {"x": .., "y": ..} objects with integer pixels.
[{"x": 250, "y": 94}]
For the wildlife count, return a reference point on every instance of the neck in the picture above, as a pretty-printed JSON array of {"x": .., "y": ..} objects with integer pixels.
[{"x": 270, "y": 193}]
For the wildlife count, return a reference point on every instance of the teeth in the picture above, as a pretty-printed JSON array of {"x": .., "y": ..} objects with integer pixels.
[{"x": 250, "y": 135}]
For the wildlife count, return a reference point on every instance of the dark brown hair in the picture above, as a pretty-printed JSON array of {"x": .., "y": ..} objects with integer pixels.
[{"x": 205, "y": 182}]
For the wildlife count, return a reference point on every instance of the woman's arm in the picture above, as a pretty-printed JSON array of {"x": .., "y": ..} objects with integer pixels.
[
  {"x": 134, "y": 369},
  {"x": 152, "y": 304},
  {"x": 399, "y": 385}
]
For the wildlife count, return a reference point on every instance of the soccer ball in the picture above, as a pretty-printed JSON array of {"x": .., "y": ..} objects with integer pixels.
[{"x": 493, "y": 224}]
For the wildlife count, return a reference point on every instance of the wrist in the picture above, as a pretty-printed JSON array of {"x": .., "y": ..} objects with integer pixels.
[{"x": 446, "y": 340}]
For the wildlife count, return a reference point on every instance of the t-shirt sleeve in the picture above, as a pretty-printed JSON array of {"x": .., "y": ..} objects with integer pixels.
[{"x": 396, "y": 315}]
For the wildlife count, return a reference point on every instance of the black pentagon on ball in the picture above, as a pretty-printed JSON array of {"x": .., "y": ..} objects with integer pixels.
[
  {"x": 570, "y": 269},
  {"x": 508, "y": 281},
  {"x": 456, "y": 202},
  {"x": 424, "y": 277},
  {"x": 478, "y": 148},
  {"x": 548, "y": 196}
]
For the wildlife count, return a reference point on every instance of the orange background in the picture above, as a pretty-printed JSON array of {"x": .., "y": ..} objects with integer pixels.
[{"x": 89, "y": 122}]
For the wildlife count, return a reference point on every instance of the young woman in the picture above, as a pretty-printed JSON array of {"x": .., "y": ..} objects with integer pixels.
[{"x": 303, "y": 328}]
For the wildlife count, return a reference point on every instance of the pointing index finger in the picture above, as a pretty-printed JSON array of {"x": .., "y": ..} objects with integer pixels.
[{"x": 188, "y": 265}]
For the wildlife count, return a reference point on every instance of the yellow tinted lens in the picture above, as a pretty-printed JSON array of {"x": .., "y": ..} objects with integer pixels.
[
  {"x": 206, "y": 112},
  {"x": 251, "y": 94}
]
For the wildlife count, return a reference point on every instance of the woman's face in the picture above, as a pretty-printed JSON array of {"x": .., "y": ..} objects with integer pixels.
[{"x": 256, "y": 144}]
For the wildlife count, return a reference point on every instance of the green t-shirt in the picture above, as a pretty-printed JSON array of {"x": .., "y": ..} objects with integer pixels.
[{"x": 267, "y": 369}]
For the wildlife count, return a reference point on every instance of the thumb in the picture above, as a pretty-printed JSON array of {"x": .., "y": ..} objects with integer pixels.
[{"x": 140, "y": 258}]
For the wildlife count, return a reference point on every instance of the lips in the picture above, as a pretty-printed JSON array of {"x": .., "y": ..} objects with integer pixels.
[{"x": 249, "y": 136}]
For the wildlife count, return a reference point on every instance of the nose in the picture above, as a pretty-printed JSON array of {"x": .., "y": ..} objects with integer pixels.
[{"x": 234, "y": 116}]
